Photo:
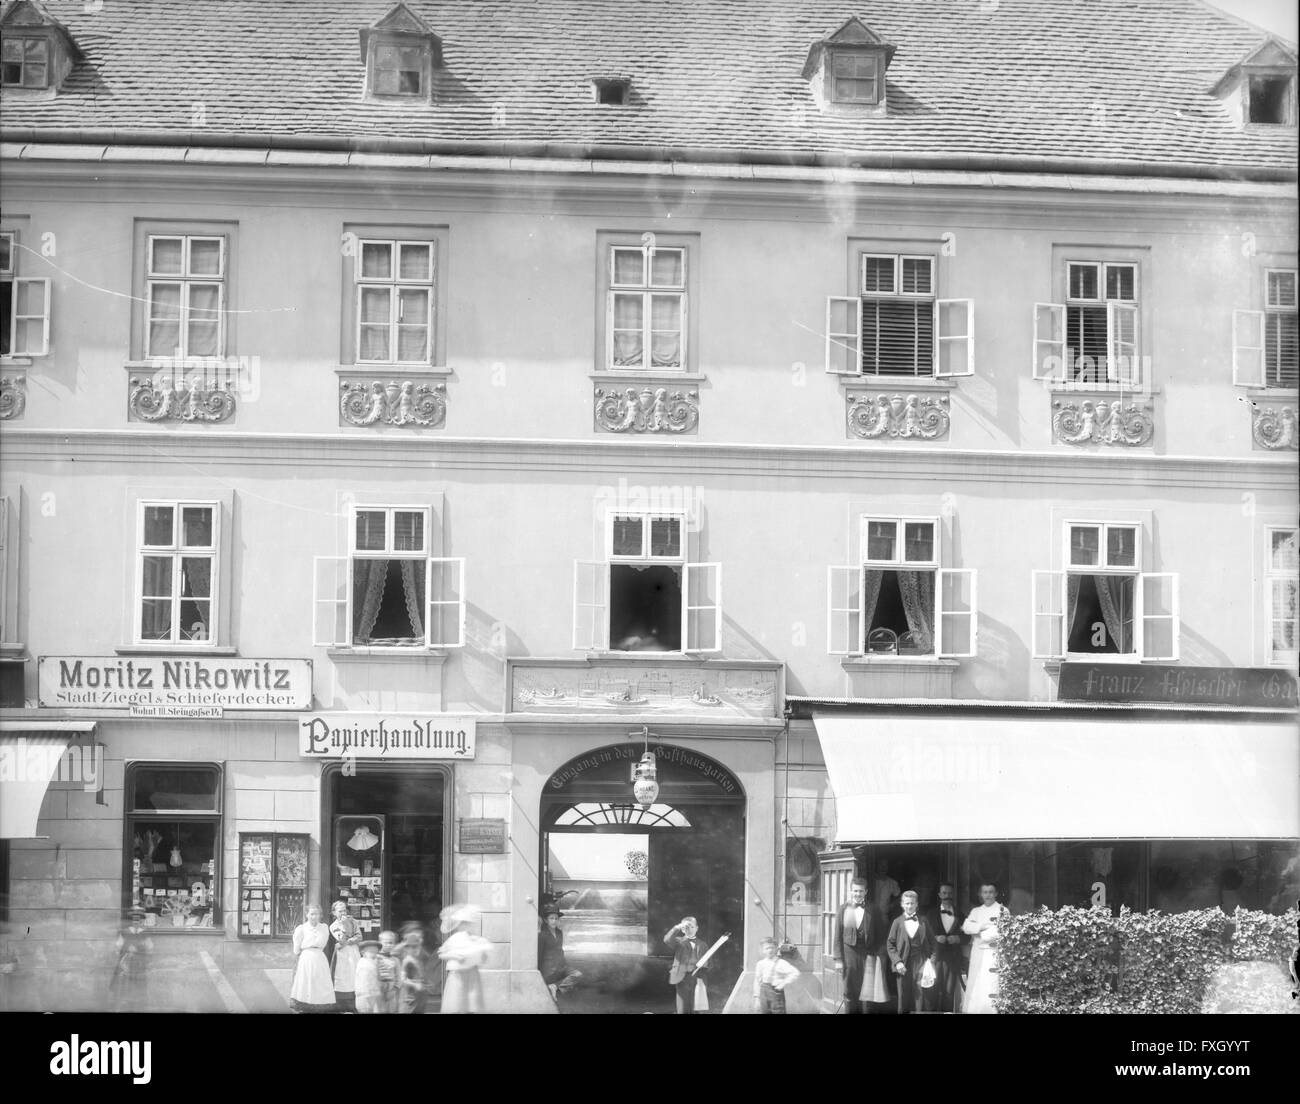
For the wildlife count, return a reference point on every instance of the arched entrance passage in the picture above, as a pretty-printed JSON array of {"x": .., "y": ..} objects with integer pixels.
[{"x": 624, "y": 874}]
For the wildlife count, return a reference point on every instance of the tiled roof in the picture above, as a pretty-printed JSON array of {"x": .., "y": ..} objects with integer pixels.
[{"x": 1120, "y": 84}]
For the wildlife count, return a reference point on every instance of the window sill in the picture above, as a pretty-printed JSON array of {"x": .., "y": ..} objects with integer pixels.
[
  {"x": 417, "y": 370},
  {"x": 897, "y": 383},
  {"x": 649, "y": 375},
  {"x": 174, "y": 649},
  {"x": 1065, "y": 387},
  {"x": 15, "y": 363},
  {"x": 1053, "y": 666},
  {"x": 1273, "y": 394},
  {"x": 657, "y": 657},
  {"x": 422, "y": 655},
  {"x": 866, "y": 663}
]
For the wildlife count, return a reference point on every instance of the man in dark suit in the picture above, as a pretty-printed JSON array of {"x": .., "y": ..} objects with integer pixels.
[
  {"x": 857, "y": 938},
  {"x": 945, "y": 926},
  {"x": 688, "y": 947},
  {"x": 911, "y": 944}
]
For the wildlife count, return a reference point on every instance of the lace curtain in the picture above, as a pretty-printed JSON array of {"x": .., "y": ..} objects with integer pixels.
[
  {"x": 1111, "y": 600},
  {"x": 370, "y": 578}
]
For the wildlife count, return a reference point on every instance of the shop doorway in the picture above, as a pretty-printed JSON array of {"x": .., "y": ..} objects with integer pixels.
[
  {"x": 384, "y": 844},
  {"x": 623, "y": 873}
]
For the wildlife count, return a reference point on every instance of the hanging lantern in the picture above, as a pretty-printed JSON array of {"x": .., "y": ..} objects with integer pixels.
[{"x": 644, "y": 787}]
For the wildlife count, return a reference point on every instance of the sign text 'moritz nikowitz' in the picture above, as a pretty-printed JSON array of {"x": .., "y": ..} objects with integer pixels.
[
  {"x": 115, "y": 682},
  {"x": 386, "y": 735}
]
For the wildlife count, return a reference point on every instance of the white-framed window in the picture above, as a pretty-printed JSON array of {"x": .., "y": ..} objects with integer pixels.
[
  {"x": 856, "y": 76},
  {"x": 1091, "y": 338},
  {"x": 388, "y": 591},
  {"x": 1265, "y": 344},
  {"x": 1103, "y": 605},
  {"x": 900, "y": 600},
  {"x": 896, "y": 326},
  {"x": 645, "y": 321},
  {"x": 1270, "y": 99},
  {"x": 400, "y": 70},
  {"x": 26, "y": 61},
  {"x": 8, "y": 620},
  {"x": 177, "y": 572},
  {"x": 185, "y": 311},
  {"x": 646, "y": 595},
  {"x": 1282, "y": 594},
  {"x": 395, "y": 301},
  {"x": 24, "y": 305}
]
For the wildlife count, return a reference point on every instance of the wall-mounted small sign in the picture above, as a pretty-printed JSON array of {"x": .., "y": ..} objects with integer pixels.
[
  {"x": 481, "y": 836},
  {"x": 386, "y": 735},
  {"x": 1253, "y": 687}
]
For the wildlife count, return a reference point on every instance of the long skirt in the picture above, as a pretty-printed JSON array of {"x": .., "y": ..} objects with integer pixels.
[
  {"x": 313, "y": 989},
  {"x": 464, "y": 991},
  {"x": 981, "y": 980},
  {"x": 874, "y": 986}
]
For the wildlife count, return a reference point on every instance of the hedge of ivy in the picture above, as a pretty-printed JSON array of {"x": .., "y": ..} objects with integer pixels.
[{"x": 1087, "y": 960}]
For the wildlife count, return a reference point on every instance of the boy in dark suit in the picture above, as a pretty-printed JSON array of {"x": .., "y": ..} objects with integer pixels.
[
  {"x": 688, "y": 947},
  {"x": 911, "y": 944}
]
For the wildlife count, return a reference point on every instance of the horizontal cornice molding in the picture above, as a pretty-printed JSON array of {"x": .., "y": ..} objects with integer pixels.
[{"x": 159, "y": 451}]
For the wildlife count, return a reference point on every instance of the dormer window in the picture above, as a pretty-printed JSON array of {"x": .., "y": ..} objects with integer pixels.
[
  {"x": 400, "y": 53},
  {"x": 1271, "y": 99},
  {"x": 612, "y": 90},
  {"x": 846, "y": 70},
  {"x": 1260, "y": 90},
  {"x": 36, "y": 51}
]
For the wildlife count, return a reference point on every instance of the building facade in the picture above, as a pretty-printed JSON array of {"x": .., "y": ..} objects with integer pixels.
[{"x": 412, "y": 419}]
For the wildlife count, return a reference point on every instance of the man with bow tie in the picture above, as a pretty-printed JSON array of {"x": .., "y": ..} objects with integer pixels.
[
  {"x": 911, "y": 945},
  {"x": 945, "y": 994},
  {"x": 858, "y": 935},
  {"x": 688, "y": 947}
]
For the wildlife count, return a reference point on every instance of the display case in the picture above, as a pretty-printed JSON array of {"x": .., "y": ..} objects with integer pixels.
[
  {"x": 173, "y": 874},
  {"x": 272, "y": 884},
  {"x": 360, "y": 869}
]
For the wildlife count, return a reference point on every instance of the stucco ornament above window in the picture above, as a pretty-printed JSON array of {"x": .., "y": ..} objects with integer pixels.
[
  {"x": 38, "y": 52},
  {"x": 847, "y": 70},
  {"x": 1260, "y": 90},
  {"x": 400, "y": 52}
]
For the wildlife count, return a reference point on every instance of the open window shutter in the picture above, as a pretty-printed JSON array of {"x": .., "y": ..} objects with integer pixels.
[
  {"x": 5, "y": 634},
  {"x": 30, "y": 334},
  {"x": 844, "y": 335},
  {"x": 445, "y": 625},
  {"x": 955, "y": 623},
  {"x": 844, "y": 610},
  {"x": 1158, "y": 616},
  {"x": 1049, "y": 341},
  {"x": 703, "y": 607},
  {"x": 1248, "y": 348},
  {"x": 591, "y": 605},
  {"x": 1048, "y": 626},
  {"x": 330, "y": 602},
  {"x": 609, "y": 324},
  {"x": 954, "y": 325},
  {"x": 1122, "y": 330}
]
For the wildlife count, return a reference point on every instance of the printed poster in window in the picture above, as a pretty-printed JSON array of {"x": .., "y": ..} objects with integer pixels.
[{"x": 255, "y": 861}]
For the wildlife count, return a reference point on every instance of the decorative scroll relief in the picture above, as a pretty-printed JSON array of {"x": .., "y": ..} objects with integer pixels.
[
  {"x": 13, "y": 396},
  {"x": 1274, "y": 427},
  {"x": 1102, "y": 422},
  {"x": 367, "y": 402},
  {"x": 163, "y": 399},
  {"x": 873, "y": 415},
  {"x": 650, "y": 410}
]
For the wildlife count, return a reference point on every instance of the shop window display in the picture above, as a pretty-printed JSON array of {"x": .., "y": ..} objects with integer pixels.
[{"x": 173, "y": 831}]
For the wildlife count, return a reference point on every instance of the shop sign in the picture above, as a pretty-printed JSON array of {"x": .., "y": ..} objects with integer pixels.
[
  {"x": 386, "y": 735},
  {"x": 112, "y": 682},
  {"x": 1251, "y": 687},
  {"x": 202, "y": 712},
  {"x": 482, "y": 836}
]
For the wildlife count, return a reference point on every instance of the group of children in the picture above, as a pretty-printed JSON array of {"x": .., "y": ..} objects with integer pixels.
[{"x": 378, "y": 976}]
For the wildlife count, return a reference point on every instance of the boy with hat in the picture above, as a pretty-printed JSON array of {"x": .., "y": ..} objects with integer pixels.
[{"x": 368, "y": 991}]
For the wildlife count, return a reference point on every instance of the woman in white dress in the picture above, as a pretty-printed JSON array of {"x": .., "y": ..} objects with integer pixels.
[
  {"x": 313, "y": 989},
  {"x": 462, "y": 954},
  {"x": 982, "y": 978}
]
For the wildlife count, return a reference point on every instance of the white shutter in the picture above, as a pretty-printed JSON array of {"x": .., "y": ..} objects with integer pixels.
[
  {"x": 954, "y": 327},
  {"x": 844, "y": 610},
  {"x": 702, "y": 607},
  {"x": 1049, "y": 341},
  {"x": 30, "y": 326},
  {"x": 1248, "y": 348},
  {"x": 955, "y": 620},
  {"x": 609, "y": 321},
  {"x": 590, "y": 605},
  {"x": 1122, "y": 338},
  {"x": 1157, "y": 616},
  {"x": 1047, "y": 634},
  {"x": 5, "y": 634},
  {"x": 445, "y": 624},
  {"x": 330, "y": 602},
  {"x": 844, "y": 335}
]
